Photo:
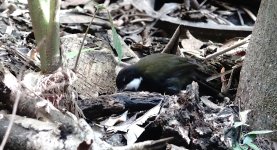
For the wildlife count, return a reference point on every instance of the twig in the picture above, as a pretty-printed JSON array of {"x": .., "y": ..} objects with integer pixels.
[
  {"x": 200, "y": 6},
  {"x": 142, "y": 20},
  {"x": 226, "y": 86},
  {"x": 121, "y": 63},
  {"x": 245, "y": 40},
  {"x": 251, "y": 15},
  {"x": 229, "y": 82},
  {"x": 240, "y": 18},
  {"x": 33, "y": 52},
  {"x": 83, "y": 41},
  {"x": 222, "y": 74},
  {"x": 15, "y": 105},
  {"x": 172, "y": 46},
  {"x": 218, "y": 75}
]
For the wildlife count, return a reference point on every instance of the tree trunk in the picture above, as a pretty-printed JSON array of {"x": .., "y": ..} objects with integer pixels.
[{"x": 258, "y": 83}]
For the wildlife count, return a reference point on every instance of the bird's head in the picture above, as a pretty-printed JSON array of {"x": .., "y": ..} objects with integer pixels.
[{"x": 128, "y": 79}]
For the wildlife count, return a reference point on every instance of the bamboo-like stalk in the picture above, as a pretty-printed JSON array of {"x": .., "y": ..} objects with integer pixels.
[{"x": 45, "y": 22}]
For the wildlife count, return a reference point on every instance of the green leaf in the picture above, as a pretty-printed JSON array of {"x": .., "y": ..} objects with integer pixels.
[
  {"x": 72, "y": 54},
  {"x": 249, "y": 139},
  {"x": 243, "y": 115},
  {"x": 253, "y": 146},
  {"x": 236, "y": 146},
  {"x": 237, "y": 124},
  {"x": 116, "y": 41},
  {"x": 117, "y": 44},
  {"x": 260, "y": 132},
  {"x": 100, "y": 7},
  {"x": 240, "y": 147},
  {"x": 244, "y": 147}
]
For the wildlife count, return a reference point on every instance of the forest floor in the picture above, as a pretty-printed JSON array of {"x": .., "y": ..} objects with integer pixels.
[{"x": 216, "y": 32}]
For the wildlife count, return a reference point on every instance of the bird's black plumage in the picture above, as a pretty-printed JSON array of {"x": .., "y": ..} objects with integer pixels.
[{"x": 164, "y": 73}]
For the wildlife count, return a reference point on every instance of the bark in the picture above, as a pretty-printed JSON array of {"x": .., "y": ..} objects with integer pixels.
[
  {"x": 55, "y": 130},
  {"x": 17, "y": 138},
  {"x": 258, "y": 83},
  {"x": 30, "y": 104},
  {"x": 107, "y": 105}
]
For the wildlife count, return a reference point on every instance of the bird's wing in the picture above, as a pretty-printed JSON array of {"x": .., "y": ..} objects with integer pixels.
[{"x": 169, "y": 68}]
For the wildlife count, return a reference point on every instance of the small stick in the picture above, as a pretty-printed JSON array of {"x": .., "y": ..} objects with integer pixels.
[
  {"x": 251, "y": 15},
  {"x": 240, "y": 18},
  {"x": 83, "y": 41},
  {"x": 9, "y": 128},
  {"x": 222, "y": 74},
  {"x": 245, "y": 40}
]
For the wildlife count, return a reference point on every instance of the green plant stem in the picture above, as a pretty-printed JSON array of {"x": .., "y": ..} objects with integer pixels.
[
  {"x": 82, "y": 44},
  {"x": 45, "y": 23}
]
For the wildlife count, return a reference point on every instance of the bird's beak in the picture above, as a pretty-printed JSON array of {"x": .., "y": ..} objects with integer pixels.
[{"x": 121, "y": 89}]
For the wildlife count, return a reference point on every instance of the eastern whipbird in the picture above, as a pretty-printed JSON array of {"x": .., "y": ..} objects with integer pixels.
[{"x": 164, "y": 73}]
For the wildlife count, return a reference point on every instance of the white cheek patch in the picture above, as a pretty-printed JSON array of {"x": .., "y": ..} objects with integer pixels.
[{"x": 134, "y": 84}]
